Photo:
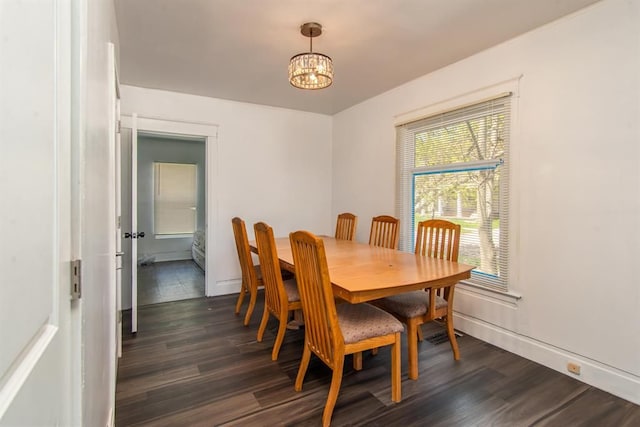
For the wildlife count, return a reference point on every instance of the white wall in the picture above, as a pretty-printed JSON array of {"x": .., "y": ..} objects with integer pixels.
[
  {"x": 97, "y": 215},
  {"x": 152, "y": 150},
  {"x": 576, "y": 189},
  {"x": 271, "y": 164}
]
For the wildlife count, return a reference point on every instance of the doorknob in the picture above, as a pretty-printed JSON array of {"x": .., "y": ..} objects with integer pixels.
[{"x": 134, "y": 235}]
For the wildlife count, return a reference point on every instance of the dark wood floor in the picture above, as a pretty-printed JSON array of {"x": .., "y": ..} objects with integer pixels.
[{"x": 193, "y": 363}]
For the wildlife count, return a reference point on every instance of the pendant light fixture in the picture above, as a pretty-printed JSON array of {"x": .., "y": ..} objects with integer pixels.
[{"x": 311, "y": 70}]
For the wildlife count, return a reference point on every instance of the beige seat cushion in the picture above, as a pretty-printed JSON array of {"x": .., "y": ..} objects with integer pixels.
[
  {"x": 409, "y": 304},
  {"x": 292, "y": 290},
  {"x": 362, "y": 321}
]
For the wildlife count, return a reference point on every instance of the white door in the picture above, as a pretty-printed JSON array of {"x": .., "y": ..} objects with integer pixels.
[
  {"x": 114, "y": 125},
  {"x": 36, "y": 311},
  {"x": 119, "y": 249},
  {"x": 134, "y": 224}
]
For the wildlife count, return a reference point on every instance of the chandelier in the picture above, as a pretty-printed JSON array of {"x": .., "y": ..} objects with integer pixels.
[{"x": 311, "y": 70}]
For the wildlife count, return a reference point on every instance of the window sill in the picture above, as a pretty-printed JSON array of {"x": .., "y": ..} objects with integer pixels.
[
  {"x": 173, "y": 236},
  {"x": 506, "y": 296}
]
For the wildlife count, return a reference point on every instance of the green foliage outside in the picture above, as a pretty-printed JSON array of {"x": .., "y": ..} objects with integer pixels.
[
  {"x": 467, "y": 228},
  {"x": 461, "y": 193}
]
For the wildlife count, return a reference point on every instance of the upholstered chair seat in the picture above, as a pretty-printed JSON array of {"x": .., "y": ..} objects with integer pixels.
[
  {"x": 291, "y": 287},
  {"x": 410, "y": 304},
  {"x": 362, "y": 321}
]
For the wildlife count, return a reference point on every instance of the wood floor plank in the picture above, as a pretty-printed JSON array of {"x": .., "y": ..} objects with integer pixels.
[
  {"x": 194, "y": 363},
  {"x": 201, "y": 416},
  {"x": 605, "y": 410},
  {"x": 133, "y": 386}
]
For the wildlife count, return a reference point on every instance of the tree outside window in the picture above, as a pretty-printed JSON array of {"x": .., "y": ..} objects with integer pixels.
[{"x": 457, "y": 164}]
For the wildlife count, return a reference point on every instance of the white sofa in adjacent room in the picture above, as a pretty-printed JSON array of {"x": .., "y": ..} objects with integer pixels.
[{"x": 198, "y": 249}]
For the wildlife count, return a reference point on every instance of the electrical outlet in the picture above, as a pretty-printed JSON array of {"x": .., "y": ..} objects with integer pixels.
[{"x": 574, "y": 368}]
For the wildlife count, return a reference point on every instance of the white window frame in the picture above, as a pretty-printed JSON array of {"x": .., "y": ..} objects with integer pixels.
[
  {"x": 181, "y": 234},
  {"x": 406, "y": 175}
]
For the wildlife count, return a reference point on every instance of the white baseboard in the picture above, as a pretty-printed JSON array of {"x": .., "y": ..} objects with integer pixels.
[
  {"x": 225, "y": 287},
  {"x": 604, "y": 377},
  {"x": 167, "y": 256},
  {"x": 111, "y": 421}
]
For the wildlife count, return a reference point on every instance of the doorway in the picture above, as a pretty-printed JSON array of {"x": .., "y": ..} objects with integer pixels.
[
  {"x": 171, "y": 212},
  {"x": 167, "y": 261}
]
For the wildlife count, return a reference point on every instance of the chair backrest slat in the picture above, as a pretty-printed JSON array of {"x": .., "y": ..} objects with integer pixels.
[
  {"x": 322, "y": 331},
  {"x": 384, "y": 231},
  {"x": 346, "y": 226},
  {"x": 438, "y": 238}
]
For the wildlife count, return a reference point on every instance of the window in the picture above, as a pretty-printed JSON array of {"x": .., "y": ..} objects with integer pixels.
[
  {"x": 174, "y": 201},
  {"x": 455, "y": 166}
]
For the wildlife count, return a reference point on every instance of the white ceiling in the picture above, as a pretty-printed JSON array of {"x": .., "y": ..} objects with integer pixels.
[{"x": 240, "y": 49}]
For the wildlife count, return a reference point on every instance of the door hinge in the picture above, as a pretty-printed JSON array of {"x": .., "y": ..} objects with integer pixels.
[
  {"x": 76, "y": 281},
  {"x": 118, "y": 126}
]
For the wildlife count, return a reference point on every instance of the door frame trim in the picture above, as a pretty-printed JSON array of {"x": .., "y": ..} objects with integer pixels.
[{"x": 208, "y": 132}]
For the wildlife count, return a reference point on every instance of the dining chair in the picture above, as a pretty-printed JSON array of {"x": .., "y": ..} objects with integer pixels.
[
  {"x": 438, "y": 239},
  {"x": 281, "y": 297},
  {"x": 251, "y": 274},
  {"x": 346, "y": 226},
  {"x": 384, "y": 231},
  {"x": 334, "y": 331}
]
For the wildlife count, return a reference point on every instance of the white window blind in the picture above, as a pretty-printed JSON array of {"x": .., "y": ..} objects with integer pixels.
[
  {"x": 174, "y": 198},
  {"x": 455, "y": 166}
]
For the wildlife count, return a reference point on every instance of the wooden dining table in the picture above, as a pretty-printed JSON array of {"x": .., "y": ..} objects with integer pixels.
[{"x": 360, "y": 272}]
